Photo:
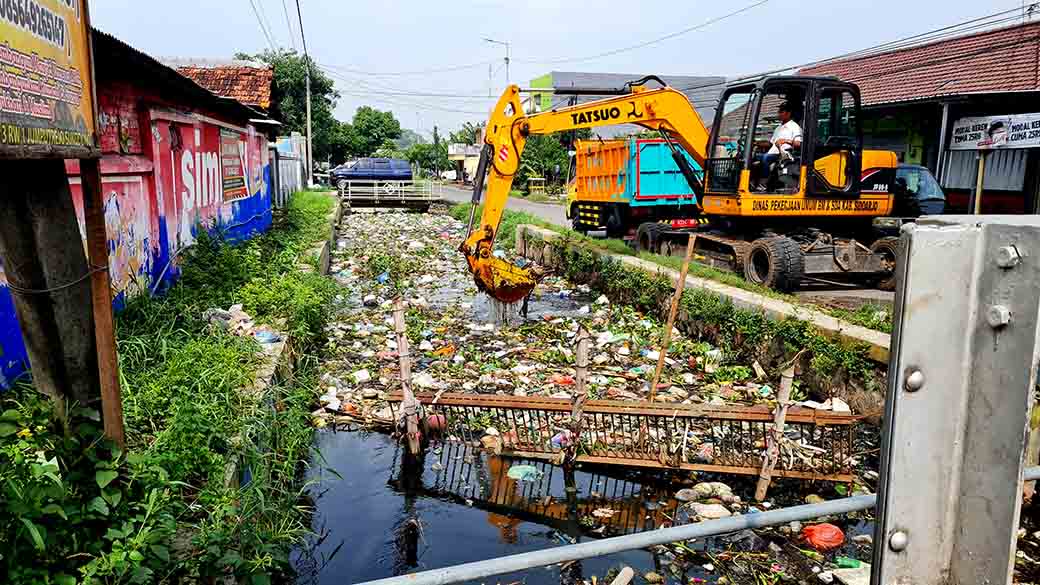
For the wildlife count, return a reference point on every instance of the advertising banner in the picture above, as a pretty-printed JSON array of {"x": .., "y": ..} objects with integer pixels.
[
  {"x": 996, "y": 132},
  {"x": 232, "y": 165},
  {"x": 46, "y": 95}
]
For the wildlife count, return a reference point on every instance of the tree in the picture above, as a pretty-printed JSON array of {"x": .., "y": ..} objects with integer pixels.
[
  {"x": 429, "y": 156},
  {"x": 372, "y": 128},
  {"x": 469, "y": 133},
  {"x": 389, "y": 149},
  {"x": 289, "y": 96}
]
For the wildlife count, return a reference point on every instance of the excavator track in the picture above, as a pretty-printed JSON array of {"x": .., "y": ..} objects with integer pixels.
[{"x": 713, "y": 249}]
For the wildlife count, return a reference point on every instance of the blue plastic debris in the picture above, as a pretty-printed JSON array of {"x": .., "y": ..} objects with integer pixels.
[{"x": 267, "y": 337}]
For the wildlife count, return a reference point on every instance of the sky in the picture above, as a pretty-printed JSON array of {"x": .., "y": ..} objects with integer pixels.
[{"x": 378, "y": 50}]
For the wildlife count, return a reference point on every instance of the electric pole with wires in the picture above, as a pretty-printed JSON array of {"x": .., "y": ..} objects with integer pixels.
[{"x": 307, "y": 61}]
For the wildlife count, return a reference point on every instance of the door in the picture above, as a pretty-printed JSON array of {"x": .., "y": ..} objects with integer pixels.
[{"x": 837, "y": 142}]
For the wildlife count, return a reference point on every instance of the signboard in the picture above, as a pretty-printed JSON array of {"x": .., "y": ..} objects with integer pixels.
[
  {"x": 996, "y": 132},
  {"x": 232, "y": 165},
  {"x": 46, "y": 80}
]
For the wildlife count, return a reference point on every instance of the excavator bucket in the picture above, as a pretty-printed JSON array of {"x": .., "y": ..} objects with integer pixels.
[{"x": 500, "y": 279}]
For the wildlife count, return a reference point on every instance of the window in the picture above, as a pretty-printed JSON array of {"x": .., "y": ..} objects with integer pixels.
[
  {"x": 920, "y": 183},
  {"x": 364, "y": 164},
  {"x": 838, "y": 144},
  {"x": 730, "y": 145},
  {"x": 381, "y": 164},
  {"x": 736, "y": 116}
]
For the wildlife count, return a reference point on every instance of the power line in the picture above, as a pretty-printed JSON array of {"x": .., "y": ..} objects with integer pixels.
[
  {"x": 259, "y": 20},
  {"x": 643, "y": 44},
  {"x": 288, "y": 24},
  {"x": 398, "y": 101},
  {"x": 411, "y": 105},
  {"x": 905, "y": 42},
  {"x": 418, "y": 72},
  {"x": 307, "y": 62},
  {"x": 303, "y": 37},
  {"x": 387, "y": 91},
  {"x": 263, "y": 16}
]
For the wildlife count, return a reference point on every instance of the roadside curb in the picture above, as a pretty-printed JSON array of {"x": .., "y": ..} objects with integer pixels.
[{"x": 877, "y": 343}]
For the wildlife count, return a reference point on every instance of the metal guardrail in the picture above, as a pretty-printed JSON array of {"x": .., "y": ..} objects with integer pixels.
[
  {"x": 816, "y": 445},
  {"x": 585, "y": 550},
  {"x": 389, "y": 193}
]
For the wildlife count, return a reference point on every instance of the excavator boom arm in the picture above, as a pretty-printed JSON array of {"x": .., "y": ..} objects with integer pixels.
[{"x": 664, "y": 109}]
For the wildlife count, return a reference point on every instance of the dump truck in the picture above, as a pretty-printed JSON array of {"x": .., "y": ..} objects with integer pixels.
[
  {"x": 616, "y": 185},
  {"x": 780, "y": 210}
]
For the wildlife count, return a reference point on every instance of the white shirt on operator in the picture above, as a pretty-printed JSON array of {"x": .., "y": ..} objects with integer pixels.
[{"x": 789, "y": 131}]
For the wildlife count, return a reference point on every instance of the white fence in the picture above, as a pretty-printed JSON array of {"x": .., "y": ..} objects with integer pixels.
[
  {"x": 388, "y": 193},
  {"x": 288, "y": 177}
]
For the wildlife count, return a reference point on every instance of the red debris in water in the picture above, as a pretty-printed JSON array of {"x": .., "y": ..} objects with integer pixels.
[{"x": 823, "y": 537}]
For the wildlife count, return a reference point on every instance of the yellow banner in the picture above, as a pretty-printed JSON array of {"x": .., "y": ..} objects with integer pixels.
[{"x": 45, "y": 74}]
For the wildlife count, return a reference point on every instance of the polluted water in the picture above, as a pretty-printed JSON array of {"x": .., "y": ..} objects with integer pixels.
[{"x": 381, "y": 513}]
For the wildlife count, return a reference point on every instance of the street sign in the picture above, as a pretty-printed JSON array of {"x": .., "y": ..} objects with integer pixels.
[{"x": 46, "y": 80}]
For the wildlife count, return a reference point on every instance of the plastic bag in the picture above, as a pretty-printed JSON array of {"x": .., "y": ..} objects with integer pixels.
[{"x": 823, "y": 537}]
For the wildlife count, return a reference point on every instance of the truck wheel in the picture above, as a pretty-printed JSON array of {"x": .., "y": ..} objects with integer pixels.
[
  {"x": 888, "y": 250},
  {"x": 776, "y": 262},
  {"x": 648, "y": 237}
]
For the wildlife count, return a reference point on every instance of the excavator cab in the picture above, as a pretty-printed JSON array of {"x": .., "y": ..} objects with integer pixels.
[{"x": 820, "y": 155}]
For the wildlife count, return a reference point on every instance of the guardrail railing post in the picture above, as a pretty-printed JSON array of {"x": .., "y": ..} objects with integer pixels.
[{"x": 961, "y": 381}]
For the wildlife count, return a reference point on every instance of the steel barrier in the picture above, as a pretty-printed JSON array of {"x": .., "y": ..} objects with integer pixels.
[
  {"x": 585, "y": 550},
  {"x": 387, "y": 193}
]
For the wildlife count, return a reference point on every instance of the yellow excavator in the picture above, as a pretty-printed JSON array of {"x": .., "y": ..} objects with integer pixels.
[{"x": 778, "y": 211}]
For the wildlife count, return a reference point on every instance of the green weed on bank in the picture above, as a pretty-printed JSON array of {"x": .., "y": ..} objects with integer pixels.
[
  {"x": 74, "y": 509},
  {"x": 870, "y": 316}
]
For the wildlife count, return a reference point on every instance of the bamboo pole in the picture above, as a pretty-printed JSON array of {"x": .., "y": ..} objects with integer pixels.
[
  {"x": 667, "y": 337},
  {"x": 783, "y": 401},
  {"x": 409, "y": 405},
  {"x": 981, "y": 174}
]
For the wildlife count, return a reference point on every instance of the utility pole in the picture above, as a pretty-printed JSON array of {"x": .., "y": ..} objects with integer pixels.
[
  {"x": 307, "y": 61},
  {"x": 506, "y": 59}
]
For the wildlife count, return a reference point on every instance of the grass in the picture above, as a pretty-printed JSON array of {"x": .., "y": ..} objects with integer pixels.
[
  {"x": 188, "y": 419},
  {"x": 537, "y": 197},
  {"x": 871, "y": 316}
]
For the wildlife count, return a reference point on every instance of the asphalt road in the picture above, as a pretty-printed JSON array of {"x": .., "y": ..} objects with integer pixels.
[
  {"x": 837, "y": 296},
  {"x": 547, "y": 211}
]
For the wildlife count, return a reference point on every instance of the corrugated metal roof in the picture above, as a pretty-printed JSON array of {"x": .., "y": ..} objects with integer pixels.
[{"x": 998, "y": 60}]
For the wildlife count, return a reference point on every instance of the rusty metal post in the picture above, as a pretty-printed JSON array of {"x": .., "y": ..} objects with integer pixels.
[
  {"x": 667, "y": 338},
  {"x": 783, "y": 401},
  {"x": 409, "y": 406}
]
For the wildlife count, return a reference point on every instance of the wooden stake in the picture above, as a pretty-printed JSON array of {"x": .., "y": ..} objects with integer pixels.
[
  {"x": 581, "y": 363},
  {"x": 581, "y": 374},
  {"x": 101, "y": 299},
  {"x": 783, "y": 400},
  {"x": 667, "y": 337},
  {"x": 409, "y": 405}
]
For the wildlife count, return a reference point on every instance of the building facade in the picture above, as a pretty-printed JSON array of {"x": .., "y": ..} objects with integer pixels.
[
  {"x": 176, "y": 159},
  {"x": 923, "y": 101}
]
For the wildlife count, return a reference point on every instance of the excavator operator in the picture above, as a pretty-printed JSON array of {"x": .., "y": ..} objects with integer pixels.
[{"x": 786, "y": 138}]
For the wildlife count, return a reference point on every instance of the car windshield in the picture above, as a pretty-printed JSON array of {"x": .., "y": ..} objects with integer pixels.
[{"x": 920, "y": 183}]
